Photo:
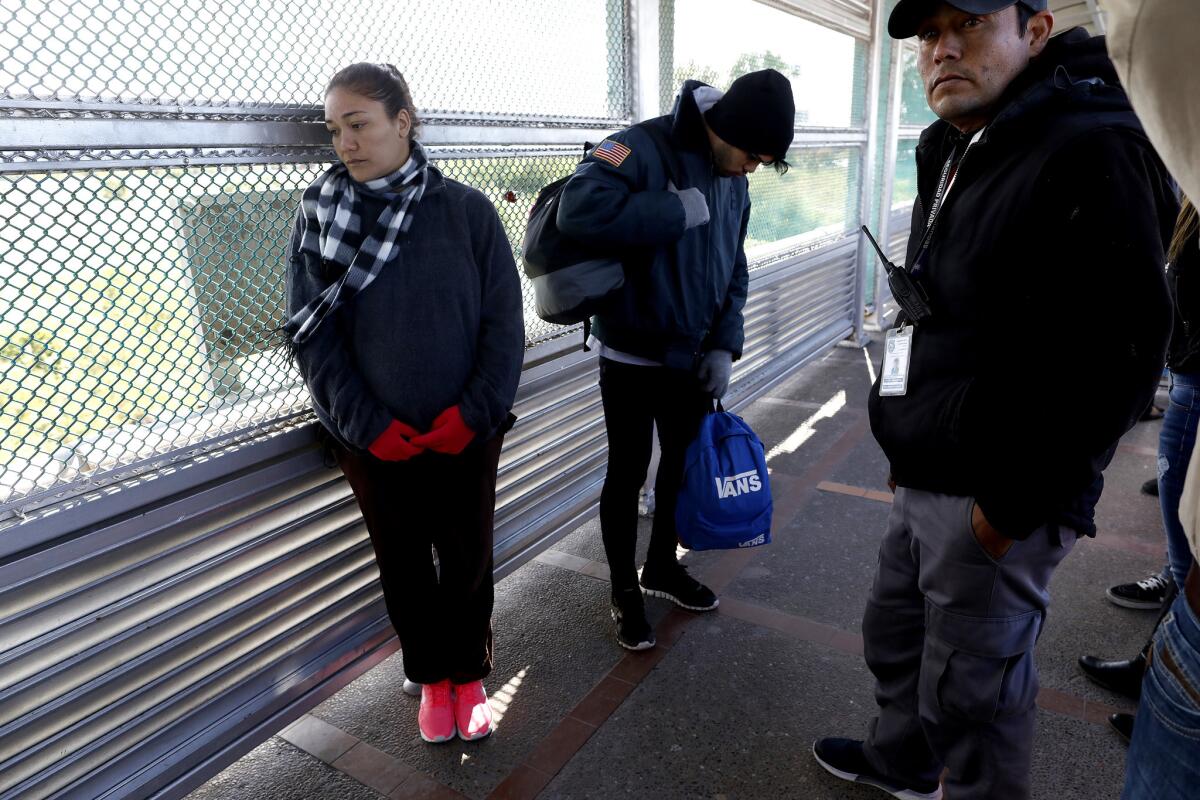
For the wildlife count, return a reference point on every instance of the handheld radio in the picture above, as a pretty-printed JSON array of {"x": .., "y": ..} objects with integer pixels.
[{"x": 908, "y": 293}]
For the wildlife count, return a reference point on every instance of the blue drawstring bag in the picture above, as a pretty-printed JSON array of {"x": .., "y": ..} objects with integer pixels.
[{"x": 725, "y": 500}]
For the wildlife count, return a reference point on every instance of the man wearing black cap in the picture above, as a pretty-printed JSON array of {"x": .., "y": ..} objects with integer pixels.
[
  {"x": 1038, "y": 234},
  {"x": 671, "y": 195}
]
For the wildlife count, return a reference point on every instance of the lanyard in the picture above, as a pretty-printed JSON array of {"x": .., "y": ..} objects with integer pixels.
[
  {"x": 939, "y": 196},
  {"x": 939, "y": 199},
  {"x": 935, "y": 207}
]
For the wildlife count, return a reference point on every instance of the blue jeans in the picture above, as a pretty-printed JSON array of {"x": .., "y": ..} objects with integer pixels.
[
  {"x": 1164, "y": 755},
  {"x": 1175, "y": 444}
]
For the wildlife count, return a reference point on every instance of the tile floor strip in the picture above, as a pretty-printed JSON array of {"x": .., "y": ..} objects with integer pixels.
[
  {"x": 559, "y": 746},
  {"x": 374, "y": 768},
  {"x": 848, "y": 642},
  {"x": 1138, "y": 449},
  {"x": 1053, "y": 700},
  {"x": 855, "y": 491},
  {"x": 356, "y": 759}
]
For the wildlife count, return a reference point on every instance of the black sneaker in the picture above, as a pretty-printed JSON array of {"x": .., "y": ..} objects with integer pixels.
[
  {"x": 844, "y": 758},
  {"x": 673, "y": 582},
  {"x": 1150, "y": 487},
  {"x": 1146, "y": 594},
  {"x": 629, "y": 612}
]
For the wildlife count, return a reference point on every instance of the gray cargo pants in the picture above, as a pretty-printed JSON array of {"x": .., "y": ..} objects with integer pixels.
[{"x": 949, "y": 634}]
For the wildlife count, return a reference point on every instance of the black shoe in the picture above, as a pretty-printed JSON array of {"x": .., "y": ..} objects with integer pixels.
[
  {"x": 844, "y": 758},
  {"x": 629, "y": 612},
  {"x": 1146, "y": 594},
  {"x": 673, "y": 582},
  {"x": 1150, "y": 487},
  {"x": 1122, "y": 724},
  {"x": 1122, "y": 677}
]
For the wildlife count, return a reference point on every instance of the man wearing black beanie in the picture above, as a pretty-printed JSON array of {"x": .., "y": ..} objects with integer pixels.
[
  {"x": 756, "y": 116},
  {"x": 669, "y": 196}
]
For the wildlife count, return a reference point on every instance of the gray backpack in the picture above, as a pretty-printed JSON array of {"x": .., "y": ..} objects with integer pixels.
[{"x": 572, "y": 280}]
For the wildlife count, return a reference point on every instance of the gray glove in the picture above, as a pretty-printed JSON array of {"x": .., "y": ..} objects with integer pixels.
[
  {"x": 715, "y": 369},
  {"x": 695, "y": 205}
]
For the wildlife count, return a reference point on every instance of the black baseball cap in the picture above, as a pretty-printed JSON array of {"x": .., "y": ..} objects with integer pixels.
[{"x": 908, "y": 14}]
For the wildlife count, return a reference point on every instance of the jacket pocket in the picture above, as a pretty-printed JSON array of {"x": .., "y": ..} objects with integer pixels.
[
  {"x": 1172, "y": 692},
  {"x": 974, "y": 537}
]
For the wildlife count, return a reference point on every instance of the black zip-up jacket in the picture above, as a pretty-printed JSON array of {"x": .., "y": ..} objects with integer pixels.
[{"x": 1050, "y": 308}]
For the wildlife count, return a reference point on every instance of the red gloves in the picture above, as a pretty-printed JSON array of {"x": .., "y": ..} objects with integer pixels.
[
  {"x": 401, "y": 442},
  {"x": 395, "y": 444},
  {"x": 449, "y": 434}
]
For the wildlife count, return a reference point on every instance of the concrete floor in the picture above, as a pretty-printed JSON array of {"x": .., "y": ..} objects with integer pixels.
[{"x": 729, "y": 703}]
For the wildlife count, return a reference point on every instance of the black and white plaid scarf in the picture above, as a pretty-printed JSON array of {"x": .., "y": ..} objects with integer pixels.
[{"x": 332, "y": 208}]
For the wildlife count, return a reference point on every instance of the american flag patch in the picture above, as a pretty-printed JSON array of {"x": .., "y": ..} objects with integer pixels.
[{"x": 614, "y": 153}]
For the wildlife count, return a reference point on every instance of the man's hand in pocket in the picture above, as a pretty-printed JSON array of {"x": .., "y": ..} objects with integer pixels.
[{"x": 995, "y": 543}]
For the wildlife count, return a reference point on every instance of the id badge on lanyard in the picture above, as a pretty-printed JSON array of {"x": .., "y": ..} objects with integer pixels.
[{"x": 893, "y": 381}]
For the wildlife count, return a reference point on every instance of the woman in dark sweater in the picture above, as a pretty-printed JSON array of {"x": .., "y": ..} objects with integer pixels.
[{"x": 405, "y": 320}]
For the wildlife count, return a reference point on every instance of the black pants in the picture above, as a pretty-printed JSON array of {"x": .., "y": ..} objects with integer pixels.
[
  {"x": 635, "y": 398},
  {"x": 444, "y": 620}
]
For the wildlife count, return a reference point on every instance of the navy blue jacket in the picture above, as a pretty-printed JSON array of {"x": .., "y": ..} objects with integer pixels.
[
  {"x": 441, "y": 325},
  {"x": 684, "y": 289}
]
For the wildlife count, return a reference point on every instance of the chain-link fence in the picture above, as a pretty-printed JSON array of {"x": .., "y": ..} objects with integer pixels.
[
  {"x": 140, "y": 289},
  {"x": 511, "y": 178},
  {"x": 140, "y": 306},
  {"x": 814, "y": 203},
  {"x": 137, "y": 314},
  {"x": 914, "y": 108},
  {"x": 914, "y": 115},
  {"x": 904, "y": 185},
  {"x": 463, "y": 58}
]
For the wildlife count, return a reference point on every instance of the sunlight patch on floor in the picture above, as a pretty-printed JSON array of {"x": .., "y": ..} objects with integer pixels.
[{"x": 807, "y": 428}]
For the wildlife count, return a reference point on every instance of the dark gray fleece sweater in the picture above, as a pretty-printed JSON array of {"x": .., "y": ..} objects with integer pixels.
[{"x": 440, "y": 326}]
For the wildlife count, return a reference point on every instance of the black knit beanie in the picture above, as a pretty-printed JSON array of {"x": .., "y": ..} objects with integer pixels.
[{"x": 757, "y": 114}]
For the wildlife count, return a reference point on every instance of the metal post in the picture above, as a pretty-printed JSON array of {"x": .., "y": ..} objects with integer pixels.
[
  {"x": 646, "y": 66},
  {"x": 644, "y": 58},
  {"x": 891, "y": 142},
  {"x": 867, "y": 170},
  {"x": 1097, "y": 15},
  {"x": 666, "y": 54}
]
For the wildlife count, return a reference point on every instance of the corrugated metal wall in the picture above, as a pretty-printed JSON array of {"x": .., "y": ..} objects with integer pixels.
[{"x": 140, "y": 645}]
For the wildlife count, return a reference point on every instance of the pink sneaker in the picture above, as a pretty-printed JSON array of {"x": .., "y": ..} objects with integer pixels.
[
  {"x": 472, "y": 713},
  {"x": 436, "y": 717}
]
